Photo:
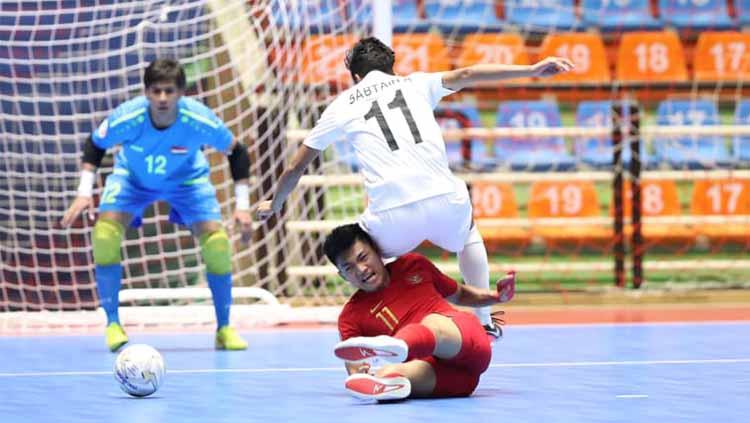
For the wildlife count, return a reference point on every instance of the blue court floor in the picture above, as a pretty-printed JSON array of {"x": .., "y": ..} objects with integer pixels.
[{"x": 585, "y": 373}]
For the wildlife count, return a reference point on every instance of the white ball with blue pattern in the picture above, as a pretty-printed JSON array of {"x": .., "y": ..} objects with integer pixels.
[{"x": 139, "y": 370}]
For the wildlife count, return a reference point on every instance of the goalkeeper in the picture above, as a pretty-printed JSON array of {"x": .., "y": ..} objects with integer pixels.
[{"x": 161, "y": 136}]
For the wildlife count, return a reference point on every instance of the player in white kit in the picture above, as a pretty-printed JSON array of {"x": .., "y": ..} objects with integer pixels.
[{"x": 412, "y": 194}]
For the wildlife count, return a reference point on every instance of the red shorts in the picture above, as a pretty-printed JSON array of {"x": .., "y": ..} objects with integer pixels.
[{"x": 459, "y": 376}]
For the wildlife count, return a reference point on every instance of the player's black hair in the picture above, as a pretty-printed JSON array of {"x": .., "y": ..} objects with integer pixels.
[
  {"x": 343, "y": 237},
  {"x": 369, "y": 54},
  {"x": 165, "y": 70}
]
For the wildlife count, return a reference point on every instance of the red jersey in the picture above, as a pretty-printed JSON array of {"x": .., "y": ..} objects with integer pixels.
[{"x": 417, "y": 288}]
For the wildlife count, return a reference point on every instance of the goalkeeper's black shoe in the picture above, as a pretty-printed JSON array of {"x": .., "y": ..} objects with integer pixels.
[{"x": 494, "y": 331}]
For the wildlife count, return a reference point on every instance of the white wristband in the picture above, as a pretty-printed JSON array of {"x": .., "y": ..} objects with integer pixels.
[
  {"x": 242, "y": 197},
  {"x": 86, "y": 186}
]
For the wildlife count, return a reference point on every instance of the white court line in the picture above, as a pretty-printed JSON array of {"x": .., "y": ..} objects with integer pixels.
[
  {"x": 631, "y": 396},
  {"x": 341, "y": 368}
]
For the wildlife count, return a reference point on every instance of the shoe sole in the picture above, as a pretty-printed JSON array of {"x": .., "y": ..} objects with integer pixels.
[
  {"x": 362, "y": 386},
  {"x": 117, "y": 346},
  {"x": 358, "y": 349},
  {"x": 224, "y": 348},
  {"x": 221, "y": 346}
]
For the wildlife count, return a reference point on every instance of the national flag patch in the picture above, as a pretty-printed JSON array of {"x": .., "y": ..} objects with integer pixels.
[{"x": 178, "y": 149}]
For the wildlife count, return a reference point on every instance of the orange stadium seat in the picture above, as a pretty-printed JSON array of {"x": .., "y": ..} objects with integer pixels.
[
  {"x": 658, "y": 198},
  {"x": 651, "y": 57},
  {"x": 723, "y": 197},
  {"x": 585, "y": 50},
  {"x": 323, "y": 58},
  {"x": 567, "y": 199},
  {"x": 420, "y": 52},
  {"x": 494, "y": 48},
  {"x": 722, "y": 56},
  {"x": 497, "y": 200}
]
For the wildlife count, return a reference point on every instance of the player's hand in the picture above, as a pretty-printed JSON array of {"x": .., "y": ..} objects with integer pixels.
[
  {"x": 265, "y": 210},
  {"x": 353, "y": 367},
  {"x": 506, "y": 287},
  {"x": 245, "y": 221},
  {"x": 363, "y": 367},
  {"x": 551, "y": 66},
  {"x": 80, "y": 204}
]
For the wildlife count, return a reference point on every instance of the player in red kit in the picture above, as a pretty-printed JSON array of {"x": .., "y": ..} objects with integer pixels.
[{"x": 401, "y": 314}]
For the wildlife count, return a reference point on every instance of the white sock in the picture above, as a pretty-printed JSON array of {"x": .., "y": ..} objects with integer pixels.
[{"x": 475, "y": 269}]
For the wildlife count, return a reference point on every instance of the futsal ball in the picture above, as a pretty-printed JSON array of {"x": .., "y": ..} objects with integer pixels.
[{"x": 139, "y": 370}]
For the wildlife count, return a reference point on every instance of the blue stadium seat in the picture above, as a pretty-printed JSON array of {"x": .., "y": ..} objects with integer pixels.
[
  {"x": 463, "y": 17},
  {"x": 742, "y": 9},
  {"x": 625, "y": 15},
  {"x": 597, "y": 152},
  {"x": 693, "y": 152},
  {"x": 406, "y": 17},
  {"x": 454, "y": 116},
  {"x": 313, "y": 16},
  {"x": 404, "y": 13},
  {"x": 741, "y": 144},
  {"x": 538, "y": 16},
  {"x": 695, "y": 14},
  {"x": 533, "y": 154}
]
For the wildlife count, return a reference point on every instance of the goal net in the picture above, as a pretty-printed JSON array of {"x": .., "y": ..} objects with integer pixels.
[
  {"x": 66, "y": 65},
  {"x": 537, "y": 154}
]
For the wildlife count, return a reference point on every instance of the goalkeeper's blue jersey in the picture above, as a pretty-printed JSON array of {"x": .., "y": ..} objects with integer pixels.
[{"x": 159, "y": 159}]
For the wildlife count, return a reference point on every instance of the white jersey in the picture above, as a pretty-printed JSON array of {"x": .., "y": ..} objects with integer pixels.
[{"x": 399, "y": 145}]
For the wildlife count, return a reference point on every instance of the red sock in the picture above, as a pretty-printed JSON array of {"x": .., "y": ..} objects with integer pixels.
[{"x": 419, "y": 338}]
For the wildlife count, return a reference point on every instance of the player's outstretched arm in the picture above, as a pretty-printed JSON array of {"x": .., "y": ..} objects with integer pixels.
[
  {"x": 287, "y": 182},
  {"x": 470, "y": 296},
  {"x": 92, "y": 158},
  {"x": 476, "y": 74}
]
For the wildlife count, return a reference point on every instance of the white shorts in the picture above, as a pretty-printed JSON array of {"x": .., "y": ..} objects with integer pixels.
[{"x": 444, "y": 220}]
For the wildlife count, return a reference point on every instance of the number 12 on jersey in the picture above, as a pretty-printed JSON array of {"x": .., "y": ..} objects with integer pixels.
[
  {"x": 156, "y": 164},
  {"x": 399, "y": 102}
]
